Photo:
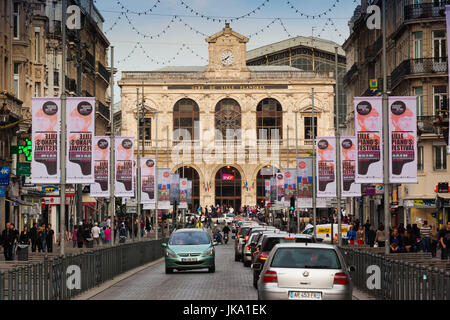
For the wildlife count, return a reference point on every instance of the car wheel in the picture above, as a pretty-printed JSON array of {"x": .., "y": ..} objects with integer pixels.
[
  {"x": 212, "y": 269},
  {"x": 168, "y": 270}
]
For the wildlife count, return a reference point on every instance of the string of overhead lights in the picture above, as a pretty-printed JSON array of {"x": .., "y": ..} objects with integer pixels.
[
  {"x": 115, "y": 23},
  {"x": 215, "y": 19},
  {"x": 284, "y": 28},
  {"x": 310, "y": 16},
  {"x": 263, "y": 29},
  {"x": 139, "y": 13},
  {"x": 331, "y": 23},
  {"x": 129, "y": 54},
  {"x": 190, "y": 27},
  {"x": 150, "y": 36}
]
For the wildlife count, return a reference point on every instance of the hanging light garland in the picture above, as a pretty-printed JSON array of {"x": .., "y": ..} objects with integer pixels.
[
  {"x": 330, "y": 22},
  {"x": 115, "y": 23},
  {"x": 157, "y": 35},
  {"x": 190, "y": 27},
  {"x": 125, "y": 9},
  {"x": 284, "y": 28},
  {"x": 309, "y": 16}
]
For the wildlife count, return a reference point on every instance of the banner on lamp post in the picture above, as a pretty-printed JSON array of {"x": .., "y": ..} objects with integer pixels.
[
  {"x": 189, "y": 192},
  {"x": 369, "y": 134},
  {"x": 267, "y": 191},
  {"x": 46, "y": 117},
  {"x": 349, "y": 188},
  {"x": 174, "y": 188},
  {"x": 164, "y": 183},
  {"x": 280, "y": 188},
  {"x": 80, "y": 115},
  {"x": 100, "y": 187},
  {"x": 124, "y": 164},
  {"x": 402, "y": 140},
  {"x": 304, "y": 182},
  {"x": 183, "y": 193},
  {"x": 326, "y": 167},
  {"x": 290, "y": 185},
  {"x": 148, "y": 180}
]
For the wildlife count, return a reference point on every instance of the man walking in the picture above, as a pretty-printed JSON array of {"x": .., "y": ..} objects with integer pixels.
[
  {"x": 49, "y": 239},
  {"x": 96, "y": 234},
  {"x": 33, "y": 237},
  {"x": 444, "y": 239},
  {"x": 7, "y": 242},
  {"x": 425, "y": 235},
  {"x": 15, "y": 238}
]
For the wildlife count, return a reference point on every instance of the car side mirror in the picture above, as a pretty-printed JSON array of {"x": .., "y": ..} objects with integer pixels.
[
  {"x": 257, "y": 266},
  {"x": 352, "y": 269},
  {"x": 164, "y": 244}
]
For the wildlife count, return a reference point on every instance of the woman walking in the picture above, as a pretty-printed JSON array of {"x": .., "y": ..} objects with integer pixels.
[
  {"x": 360, "y": 236},
  {"x": 380, "y": 236}
]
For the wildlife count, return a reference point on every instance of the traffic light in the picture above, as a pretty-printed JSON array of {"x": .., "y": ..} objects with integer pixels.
[{"x": 292, "y": 203}]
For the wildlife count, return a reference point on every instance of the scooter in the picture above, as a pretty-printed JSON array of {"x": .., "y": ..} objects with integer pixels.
[
  {"x": 218, "y": 238},
  {"x": 225, "y": 237}
]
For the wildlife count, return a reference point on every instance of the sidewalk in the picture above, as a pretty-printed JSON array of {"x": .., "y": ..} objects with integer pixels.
[{"x": 359, "y": 295}]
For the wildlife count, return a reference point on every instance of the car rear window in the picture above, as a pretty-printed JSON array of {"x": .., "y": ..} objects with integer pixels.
[
  {"x": 306, "y": 258},
  {"x": 271, "y": 242},
  {"x": 190, "y": 238},
  {"x": 244, "y": 231}
]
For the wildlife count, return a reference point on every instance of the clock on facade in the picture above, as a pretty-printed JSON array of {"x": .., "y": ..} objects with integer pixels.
[{"x": 227, "y": 58}]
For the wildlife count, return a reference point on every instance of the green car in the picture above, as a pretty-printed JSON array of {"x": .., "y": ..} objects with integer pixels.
[{"x": 189, "y": 249}]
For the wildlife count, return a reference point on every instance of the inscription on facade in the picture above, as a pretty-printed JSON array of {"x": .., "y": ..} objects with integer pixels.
[{"x": 227, "y": 87}]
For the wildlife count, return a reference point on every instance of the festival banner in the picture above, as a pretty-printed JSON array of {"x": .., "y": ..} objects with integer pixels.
[
  {"x": 326, "y": 167},
  {"x": 304, "y": 182},
  {"x": 273, "y": 189},
  {"x": 124, "y": 163},
  {"x": 402, "y": 140},
  {"x": 368, "y": 128},
  {"x": 164, "y": 188},
  {"x": 290, "y": 185},
  {"x": 348, "y": 168},
  {"x": 189, "y": 192},
  {"x": 447, "y": 15},
  {"x": 280, "y": 188},
  {"x": 46, "y": 117},
  {"x": 100, "y": 187},
  {"x": 80, "y": 113},
  {"x": 174, "y": 188},
  {"x": 148, "y": 180},
  {"x": 183, "y": 193},
  {"x": 267, "y": 191}
]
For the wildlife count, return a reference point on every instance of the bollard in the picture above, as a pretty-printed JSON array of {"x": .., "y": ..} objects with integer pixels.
[{"x": 2, "y": 285}]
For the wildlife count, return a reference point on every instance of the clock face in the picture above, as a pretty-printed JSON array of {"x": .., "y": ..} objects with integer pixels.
[{"x": 227, "y": 58}]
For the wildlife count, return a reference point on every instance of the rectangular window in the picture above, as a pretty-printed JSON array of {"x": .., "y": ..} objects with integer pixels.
[
  {"x": 418, "y": 92},
  {"x": 440, "y": 157},
  {"x": 418, "y": 50},
  {"x": 145, "y": 129},
  {"x": 420, "y": 158},
  {"x": 56, "y": 78},
  {"x": 439, "y": 47},
  {"x": 16, "y": 79},
  {"x": 439, "y": 98},
  {"x": 309, "y": 128},
  {"x": 37, "y": 89},
  {"x": 16, "y": 20},
  {"x": 36, "y": 46}
]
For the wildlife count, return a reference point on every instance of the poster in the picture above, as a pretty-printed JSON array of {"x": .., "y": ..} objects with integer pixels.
[
  {"x": 402, "y": 140},
  {"x": 368, "y": 128},
  {"x": 46, "y": 117},
  {"x": 100, "y": 187},
  {"x": 148, "y": 180},
  {"x": 290, "y": 185},
  {"x": 183, "y": 193},
  {"x": 124, "y": 182},
  {"x": 280, "y": 188},
  {"x": 189, "y": 192},
  {"x": 349, "y": 188},
  {"x": 174, "y": 188},
  {"x": 273, "y": 189},
  {"x": 267, "y": 191},
  {"x": 304, "y": 182},
  {"x": 326, "y": 166},
  {"x": 80, "y": 115},
  {"x": 164, "y": 182}
]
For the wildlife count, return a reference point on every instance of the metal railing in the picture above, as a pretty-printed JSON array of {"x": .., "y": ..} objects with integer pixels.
[
  {"x": 103, "y": 110},
  {"x": 400, "y": 279},
  {"x": 103, "y": 71},
  {"x": 90, "y": 59},
  {"x": 425, "y": 10},
  {"x": 48, "y": 279},
  {"x": 419, "y": 66}
]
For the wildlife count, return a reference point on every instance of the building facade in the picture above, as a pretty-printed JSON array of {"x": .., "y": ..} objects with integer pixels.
[
  {"x": 234, "y": 119},
  {"x": 417, "y": 66}
]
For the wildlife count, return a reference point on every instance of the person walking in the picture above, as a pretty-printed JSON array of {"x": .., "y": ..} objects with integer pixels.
[
  {"x": 380, "y": 237},
  {"x": 199, "y": 224},
  {"x": 434, "y": 241},
  {"x": 50, "y": 238},
  {"x": 371, "y": 236},
  {"x": 444, "y": 239},
  {"x": 44, "y": 237},
  {"x": 108, "y": 235},
  {"x": 33, "y": 237},
  {"x": 425, "y": 235},
  {"x": 95, "y": 231},
  {"x": 24, "y": 236},
  {"x": 74, "y": 236},
  {"x": 123, "y": 233},
  {"x": 351, "y": 235},
  {"x": 7, "y": 242},
  {"x": 360, "y": 236},
  {"x": 15, "y": 239},
  {"x": 80, "y": 236}
]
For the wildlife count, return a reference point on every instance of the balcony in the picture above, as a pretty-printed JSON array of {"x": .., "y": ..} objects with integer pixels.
[
  {"x": 350, "y": 73},
  {"x": 425, "y": 11},
  {"x": 90, "y": 59},
  {"x": 71, "y": 85},
  {"x": 103, "y": 110},
  {"x": 371, "y": 51},
  {"x": 423, "y": 66},
  {"x": 103, "y": 72}
]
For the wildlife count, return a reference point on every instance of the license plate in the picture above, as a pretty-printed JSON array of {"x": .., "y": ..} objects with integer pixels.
[
  {"x": 188, "y": 259},
  {"x": 303, "y": 295}
]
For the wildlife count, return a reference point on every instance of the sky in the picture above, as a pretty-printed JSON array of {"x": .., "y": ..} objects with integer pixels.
[{"x": 146, "y": 35}]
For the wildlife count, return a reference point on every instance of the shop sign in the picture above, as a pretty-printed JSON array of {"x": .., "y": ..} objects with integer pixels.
[
  {"x": 24, "y": 169},
  {"x": 4, "y": 176},
  {"x": 2, "y": 192},
  {"x": 422, "y": 203}
]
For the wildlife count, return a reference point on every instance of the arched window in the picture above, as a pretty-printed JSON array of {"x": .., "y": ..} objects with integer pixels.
[
  {"x": 185, "y": 116},
  {"x": 228, "y": 117},
  {"x": 269, "y": 117}
]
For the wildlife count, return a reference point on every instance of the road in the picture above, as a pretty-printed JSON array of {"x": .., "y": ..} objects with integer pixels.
[{"x": 231, "y": 281}]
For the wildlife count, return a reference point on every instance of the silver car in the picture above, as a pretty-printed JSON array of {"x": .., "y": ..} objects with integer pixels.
[{"x": 304, "y": 271}]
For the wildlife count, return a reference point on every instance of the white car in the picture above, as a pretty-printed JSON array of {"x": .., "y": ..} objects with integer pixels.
[{"x": 226, "y": 218}]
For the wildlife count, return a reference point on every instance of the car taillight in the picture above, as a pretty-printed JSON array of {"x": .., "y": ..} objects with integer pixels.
[
  {"x": 246, "y": 238},
  {"x": 263, "y": 256},
  {"x": 340, "y": 278},
  {"x": 270, "y": 277},
  {"x": 248, "y": 247}
]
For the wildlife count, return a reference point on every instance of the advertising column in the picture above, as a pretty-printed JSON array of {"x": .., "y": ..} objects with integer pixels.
[
  {"x": 326, "y": 167},
  {"x": 80, "y": 130},
  {"x": 46, "y": 117},
  {"x": 100, "y": 187},
  {"x": 368, "y": 128},
  {"x": 402, "y": 140},
  {"x": 124, "y": 186}
]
